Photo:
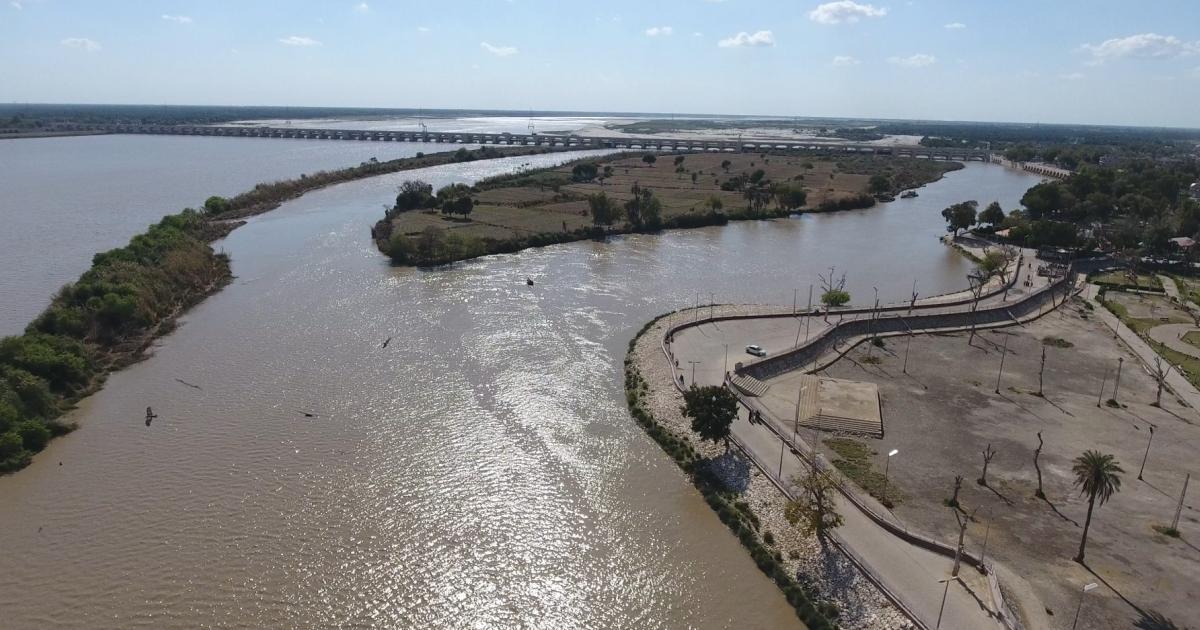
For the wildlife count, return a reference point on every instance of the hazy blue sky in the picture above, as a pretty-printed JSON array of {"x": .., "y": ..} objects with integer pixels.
[{"x": 1097, "y": 61}]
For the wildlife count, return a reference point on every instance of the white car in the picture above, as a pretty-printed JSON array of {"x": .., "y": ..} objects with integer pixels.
[{"x": 756, "y": 350}]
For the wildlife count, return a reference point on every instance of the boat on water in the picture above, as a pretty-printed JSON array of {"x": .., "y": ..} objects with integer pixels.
[{"x": 908, "y": 194}]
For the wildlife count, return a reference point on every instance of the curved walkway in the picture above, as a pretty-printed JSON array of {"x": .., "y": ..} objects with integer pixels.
[{"x": 1171, "y": 336}]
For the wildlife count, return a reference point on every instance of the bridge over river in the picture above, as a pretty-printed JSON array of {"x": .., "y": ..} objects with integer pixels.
[{"x": 547, "y": 140}]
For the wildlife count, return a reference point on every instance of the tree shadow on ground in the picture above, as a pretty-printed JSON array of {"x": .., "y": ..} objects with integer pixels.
[
  {"x": 731, "y": 469},
  {"x": 1060, "y": 514},
  {"x": 1140, "y": 611},
  {"x": 1154, "y": 620},
  {"x": 1007, "y": 501}
]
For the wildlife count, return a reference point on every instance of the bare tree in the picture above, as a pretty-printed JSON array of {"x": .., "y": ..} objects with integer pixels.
[
  {"x": 958, "y": 481},
  {"x": 1041, "y": 371},
  {"x": 962, "y": 533},
  {"x": 1037, "y": 453},
  {"x": 976, "y": 282},
  {"x": 988, "y": 454},
  {"x": 1160, "y": 376},
  {"x": 816, "y": 510}
]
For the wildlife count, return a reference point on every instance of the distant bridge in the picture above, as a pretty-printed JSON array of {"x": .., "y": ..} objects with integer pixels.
[{"x": 547, "y": 140}]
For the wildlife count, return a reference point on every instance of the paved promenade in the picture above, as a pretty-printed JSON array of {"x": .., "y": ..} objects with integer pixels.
[{"x": 910, "y": 572}]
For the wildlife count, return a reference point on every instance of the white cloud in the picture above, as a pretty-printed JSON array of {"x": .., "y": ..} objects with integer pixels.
[
  {"x": 759, "y": 38},
  {"x": 955, "y": 25},
  {"x": 362, "y": 7},
  {"x": 178, "y": 19},
  {"x": 919, "y": 60},
  {"x": 299, "y": 40},
  {"x": 655, "y": 31},
  {"x": 82, "y": 43},
  {"x": 1145, "y": 45},
  {"x": 844, "y": 11},
  {"x": 422, "y": 29},
  {"x": 16, "y": 5},
  {"x": 842, "y": 61},
  {"x": 697, "y": 34},
  {"x": 499, "y": 51},
  {"x": 1072, "y": 76}
]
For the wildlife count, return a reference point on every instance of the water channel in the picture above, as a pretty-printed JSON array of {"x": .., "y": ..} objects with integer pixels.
[{"x": 481, "y": 471}]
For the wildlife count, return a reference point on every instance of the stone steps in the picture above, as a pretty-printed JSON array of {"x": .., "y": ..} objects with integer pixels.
[{"x": 749, "y": 385}]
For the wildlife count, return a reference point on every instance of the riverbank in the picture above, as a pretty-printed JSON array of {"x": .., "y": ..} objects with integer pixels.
[
  {"x": 824, "y": 587},
  {"x": 632, "y": 193},
  {"x": 133, "y": 295}
]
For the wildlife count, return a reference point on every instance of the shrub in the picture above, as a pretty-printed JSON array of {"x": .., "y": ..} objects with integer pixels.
[{"x": 34, "y": 435}]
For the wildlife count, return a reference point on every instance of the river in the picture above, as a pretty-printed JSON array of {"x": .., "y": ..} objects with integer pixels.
[
  {"x": 65, "y": 199},
  {"x": 481, "y": 471}
]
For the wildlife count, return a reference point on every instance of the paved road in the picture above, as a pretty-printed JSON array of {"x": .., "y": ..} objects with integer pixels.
[
  {"x": 1178, "y": 384},
  {"x": 1171, "y": 336},
  {"x": 909, "y": 571}
]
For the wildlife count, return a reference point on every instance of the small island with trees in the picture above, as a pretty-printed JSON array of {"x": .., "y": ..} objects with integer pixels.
[{"x": 592, "y": 198}]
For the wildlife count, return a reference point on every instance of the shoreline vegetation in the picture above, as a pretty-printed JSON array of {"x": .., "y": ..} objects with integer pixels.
[
  {"x": 632, "y": 192},
  {"x": 134, "y": 294},
  {"x": 732, "y": 509}
]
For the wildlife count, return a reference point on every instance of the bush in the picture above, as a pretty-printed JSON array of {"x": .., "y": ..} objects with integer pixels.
[
  {"x": 11, "y": 444},
  {"x": 34, "y": 435}
]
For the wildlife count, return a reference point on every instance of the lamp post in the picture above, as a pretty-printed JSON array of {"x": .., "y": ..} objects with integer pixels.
[
  {"x": 892, "y": 453},
  {"x": 1117, "y": 384},
  {"x": 1147, "y": 455},
  {"x": 1085, "y": 590},
  {"x": 1003, "y": 352},
  {"x": 945, "y": 592},
  {"x": 726, "y": 370},
  {"x": 694, "y": 371}
]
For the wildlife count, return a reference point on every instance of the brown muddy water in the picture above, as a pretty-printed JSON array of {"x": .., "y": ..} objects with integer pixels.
[{"x": 480, "y": 471}]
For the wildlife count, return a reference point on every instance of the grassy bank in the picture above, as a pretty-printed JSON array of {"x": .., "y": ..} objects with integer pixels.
[
  {"x": 99, "y": 323},
  {"x": 594, "y": 198},
  {"x": 131, "y": 295},
  {"x": 737, "y": 515}
]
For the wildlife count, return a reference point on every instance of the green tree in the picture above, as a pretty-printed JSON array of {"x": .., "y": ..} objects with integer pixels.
[
  {"x": 815, "y": 512},
  {"x": 678, "y": 160},
  {"x": 34, "y": 435},
  {"x": 714, "y": 203},
  {"x": 1098, "y": 476},
  {"x": 712, "y": 409},
  {"x": 649, "y": 158},
  {"x": 725, "y": 164},
  {"x": 835, "y": 297},
  {"x": 960, "y": 216},
  {"x": 217, "y": 205},
  {"x": 584, "y": 171},
  {"x": 992, "y": 263},
  {"x": 10, "y": 446},
  {"x": 604, "y": 211},
  {"x": 757, "y": 176},
  {"x": 411, "y": 195},
  {"x": 790, "y": 197},
  {"x": 993, "y": 215},
  {"x": 879, "y": 184}
]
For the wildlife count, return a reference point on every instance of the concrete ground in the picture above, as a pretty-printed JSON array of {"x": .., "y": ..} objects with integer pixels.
[{"x": 945, "y": 411}]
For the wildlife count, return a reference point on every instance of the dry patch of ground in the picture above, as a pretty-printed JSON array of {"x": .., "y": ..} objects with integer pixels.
[
  {"x": 553, "y": 202},
  {"x": 945, "y": 412}
]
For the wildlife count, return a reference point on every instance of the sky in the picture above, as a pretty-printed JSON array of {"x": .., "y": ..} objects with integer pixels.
[{"x": 1065, "y": 61}]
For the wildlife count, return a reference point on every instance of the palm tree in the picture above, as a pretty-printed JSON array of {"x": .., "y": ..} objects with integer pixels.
[{"x": 1098, "y": 476}]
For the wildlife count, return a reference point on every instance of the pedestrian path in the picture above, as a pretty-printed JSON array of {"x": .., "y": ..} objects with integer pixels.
[
  {"x": 1176, "y": 381},
  {"x": 913, "y": 574}
]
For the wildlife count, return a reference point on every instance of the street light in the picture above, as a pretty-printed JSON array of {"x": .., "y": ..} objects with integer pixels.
[
  {"x": 1086, "y": 589},
  {"x": 945, "y": 592},
  {"x": 887, "y": 466}
]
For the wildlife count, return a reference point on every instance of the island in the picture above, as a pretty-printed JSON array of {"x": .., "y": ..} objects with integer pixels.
[{"x": 593, "y": 198}]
